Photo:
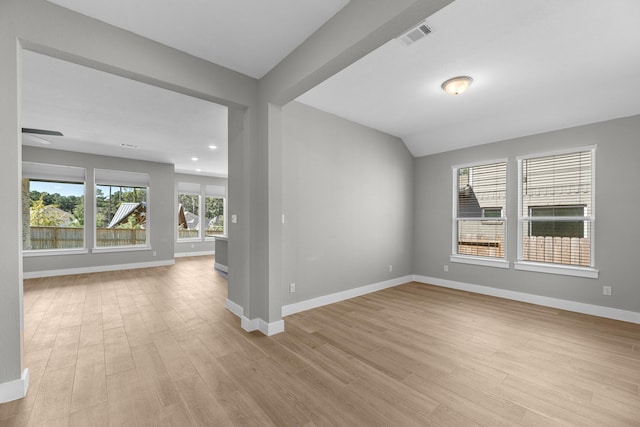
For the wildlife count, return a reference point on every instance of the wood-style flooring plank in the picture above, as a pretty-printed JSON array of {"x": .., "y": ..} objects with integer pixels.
[{"x": 157, "y": 347}]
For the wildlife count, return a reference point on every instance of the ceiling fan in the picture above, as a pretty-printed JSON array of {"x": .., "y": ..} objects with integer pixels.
[{"x": 42, "y": 132}]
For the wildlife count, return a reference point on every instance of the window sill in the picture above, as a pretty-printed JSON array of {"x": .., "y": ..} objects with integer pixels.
[
  {"x": 483, "y": 261},
  {"x": 566, "y": 270},
  {"x": 52, "y": 252},
  {"x": 190, "y": 240},
  {"x": 120, "y": 249}
]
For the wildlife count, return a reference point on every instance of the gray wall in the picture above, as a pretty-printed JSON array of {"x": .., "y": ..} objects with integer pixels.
[
  {"x": 347, "y": 197},
  {"x": 43, "y": 27},
  {"x": 161, "y": 210},
  {"x": 201, "y": 246},
  {"x": 616, "y": 235}
]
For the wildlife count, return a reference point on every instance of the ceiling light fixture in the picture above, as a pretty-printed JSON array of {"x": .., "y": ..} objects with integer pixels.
[
  {"x": 457, "y": 85},
  {"x": 195, "y": 159},
  {"x": 213, "y": 147}
]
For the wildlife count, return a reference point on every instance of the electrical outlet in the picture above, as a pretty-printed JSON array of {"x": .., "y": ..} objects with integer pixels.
[
  {"x": 292, "y": 288},
  {"x": 390, "y": 268},
  {"x": 446, "y": 267},
  {"x": 606, "y": 290}
]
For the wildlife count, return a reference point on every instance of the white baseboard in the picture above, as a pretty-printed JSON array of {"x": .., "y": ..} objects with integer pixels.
[
  {"x": 221, "y": 267},
  {"x": 96, "y": 269},
  {"x": 17, "y": 389},
  {"x": 577, "y": 307},
  {"x": 198, "y": 253},
  {"x": 258, "y": 324},
  {"x": 297, "y": 307}
]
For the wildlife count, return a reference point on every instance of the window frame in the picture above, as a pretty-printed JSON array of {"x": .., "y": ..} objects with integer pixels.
[
  {"x": 208, "y": 191},
  {"x": 545, "y": 267},
  {"x": 124, "y": 179},
  {"x": 189, "y": 189},
  {"x": 455, "y": 257},
  {"x": 51, "y": 172}
]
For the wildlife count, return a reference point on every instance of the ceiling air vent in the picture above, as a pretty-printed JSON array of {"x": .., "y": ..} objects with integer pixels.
[{"x": 415, "y": 34}]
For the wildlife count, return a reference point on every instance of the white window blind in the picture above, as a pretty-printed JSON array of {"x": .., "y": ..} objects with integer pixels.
[
  {"x": 556, "y": 208},
  {"x": 479, "y": 210},
  {"x": 215, "y": 191},
  {"x": 188, "y": 188},
  {"x": 48, "y": 172},
  {"x": 121, "y": 178}
]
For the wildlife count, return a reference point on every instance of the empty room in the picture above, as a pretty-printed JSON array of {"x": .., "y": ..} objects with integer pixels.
[{"x": 306, "y": 213}]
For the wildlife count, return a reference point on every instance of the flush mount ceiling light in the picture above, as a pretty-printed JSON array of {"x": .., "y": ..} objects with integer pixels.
[
  {"x": 195, "y": 159},
  {"x": 457, "y": 85},
  {"x": 212, "y": 147}
]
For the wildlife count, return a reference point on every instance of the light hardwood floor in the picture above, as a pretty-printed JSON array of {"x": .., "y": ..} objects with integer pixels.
[{"x": 157, "y": 347}]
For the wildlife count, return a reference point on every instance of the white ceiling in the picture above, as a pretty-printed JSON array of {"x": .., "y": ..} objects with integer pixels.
[
  {"x": 248, "y": 36},
  {"x": 97, "y": 112},
  {"x": 538, "y": 65}
]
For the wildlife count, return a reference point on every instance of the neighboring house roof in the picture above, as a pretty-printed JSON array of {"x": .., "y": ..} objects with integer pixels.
[
  {"x": 125, "y": 210},
  {"x": 468, "y": 205},
  {"x": 193, "y": 221},
  {"x": 187, "y": 220}
]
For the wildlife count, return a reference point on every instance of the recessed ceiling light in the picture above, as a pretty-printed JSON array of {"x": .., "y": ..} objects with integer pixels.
[
  {"x": 457, "y": 85},
  {"x": 198, "y": 170},
  {"x": 195, "y": 159},
  {"x": 129, "y": 146},
  {"x": 213, "y": 147}
]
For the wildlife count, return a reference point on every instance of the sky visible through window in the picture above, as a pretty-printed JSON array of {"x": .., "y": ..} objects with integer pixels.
[{"x": 64, "y": 189}]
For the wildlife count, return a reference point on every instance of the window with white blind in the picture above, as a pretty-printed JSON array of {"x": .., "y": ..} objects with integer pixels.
[
  {"x": 214, "y": 211},
  {"x": 53, "y": 209},
  {"x": 121, "y": 211},
  {"x": 479, "y": 214},
  {"x": 556, "y": 213},
  {"x": 189, "y": 221}
]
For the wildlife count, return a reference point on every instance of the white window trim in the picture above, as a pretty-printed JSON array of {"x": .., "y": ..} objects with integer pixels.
[
  {"x": 122, "y": 248},
  {"x": 542, "y": 267},
  {"x": 200, "y": 216},
  {"x": 224, "y": 219},
  {"x": 567, "y": 270},
  {"x": 140, "y": 175},
  {"x": 52, "y": 252},
  {"x": 478, "y": 260},
  {"x": 471, "y": 259},
  {"x": 61, "y": 173}
]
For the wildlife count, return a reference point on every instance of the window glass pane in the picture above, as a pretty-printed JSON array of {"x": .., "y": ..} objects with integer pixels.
[
  {"x": 476, "y": 237},
  {"x": 556, "y": 192},
  {"x": 188, "y": 216},
  {"x": 481, "y": 194},
  {"x": 53, "y": 215},
  {"x": 544, "y": 247},
  {"x": 121, "y": 216},
  {"x": 561, "y": 180},
  {"x": 481, "y": 187},
  {"x": 214, "y": 216}
]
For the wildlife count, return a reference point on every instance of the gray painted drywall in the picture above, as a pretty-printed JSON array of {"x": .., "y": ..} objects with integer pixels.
[
  {"x": 161, "y": 213},
  {"x": 360, "y": 27},
  {"x": 49, "y": 29},
  {"x": 616, "y": 236},
  {"x": 11, "y": 306},
  {"x": 347, "y": 194},
  {"x": 199, "y": 246}
]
